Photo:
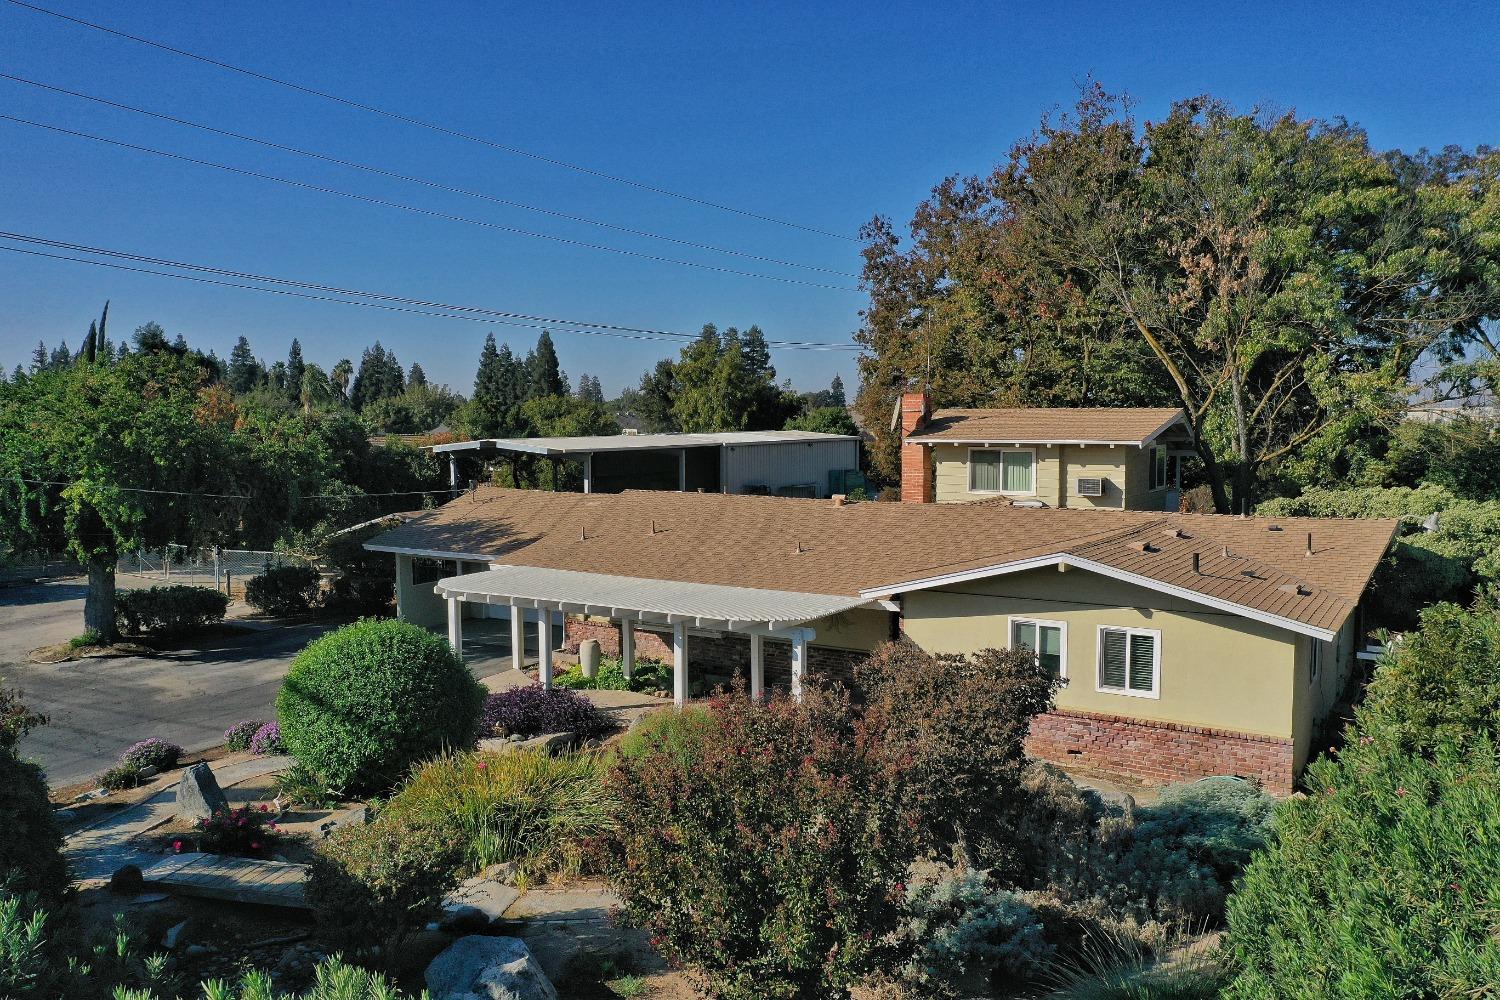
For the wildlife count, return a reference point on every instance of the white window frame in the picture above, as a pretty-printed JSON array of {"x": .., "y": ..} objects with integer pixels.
[
  {"x": 1156, "y": 479},
  {"x": 1002, "y": 452},
  {"x": 1062, "y": 638},
  {"x": 1155, "y": 634}
]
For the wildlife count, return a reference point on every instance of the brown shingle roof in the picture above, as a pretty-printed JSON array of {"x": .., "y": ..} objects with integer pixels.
[
  {"x": 817, "y": 546},
  {"x": 1100, "y": 424}
]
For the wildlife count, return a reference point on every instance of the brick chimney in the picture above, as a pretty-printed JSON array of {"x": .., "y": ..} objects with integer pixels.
[{"x": 916, "y": 459}]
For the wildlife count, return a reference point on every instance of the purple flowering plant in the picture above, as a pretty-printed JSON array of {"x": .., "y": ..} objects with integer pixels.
[{"x": 533, "y": 710}]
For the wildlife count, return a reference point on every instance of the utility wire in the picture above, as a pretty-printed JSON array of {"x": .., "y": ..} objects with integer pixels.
[
  {"x": 392, "y": 308},
  {"x": 431, "y": 213},
  {"x": 423, "y": 181},
  {"x": 552, "y": 321},
  {"x": 432, "y": 126}
]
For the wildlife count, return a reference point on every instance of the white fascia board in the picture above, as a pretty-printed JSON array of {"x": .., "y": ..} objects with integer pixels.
[
  {"x": 429, "y": 553},
  {"x": 1181, "y": 418},
  {"x": 1062, "y": 559}
]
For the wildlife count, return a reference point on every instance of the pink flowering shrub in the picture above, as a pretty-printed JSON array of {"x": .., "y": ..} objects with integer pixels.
[
  {"x": 244, "y": 831},
  {"x": 153, "y": 752},
  {"x": 267, "y": 739},
  {"x": 238, "y": 736}
]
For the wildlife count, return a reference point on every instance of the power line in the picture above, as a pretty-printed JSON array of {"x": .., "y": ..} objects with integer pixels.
[
  {"x": 431, "y": 213},
  {"x": 432, "y": 126},
  {"x": 423, "y": 181},
  {"x": 477, "y": 316}
]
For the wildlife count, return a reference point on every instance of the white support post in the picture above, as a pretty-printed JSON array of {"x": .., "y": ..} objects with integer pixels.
[
  {"x": 588, "y": 472},
  {"x": 453, "y": 471},
  {"x": 757, "y": 666},
  {"x": 456, "y": 625},
  {"x": 799, "y": 661},
  {"x": 517, "y": 636},
  {"x": 627, "y": 647},
  {"x": 544, "y": 646},
  {"x": 679, "y": 664}
]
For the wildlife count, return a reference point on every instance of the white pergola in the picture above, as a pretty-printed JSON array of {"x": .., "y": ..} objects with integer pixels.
[{"x": 755, "y": 613}]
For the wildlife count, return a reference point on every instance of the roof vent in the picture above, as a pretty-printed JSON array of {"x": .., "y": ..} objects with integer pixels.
[
  {"x": 1273, "y": 527},
  {"x": 1175, "y": 533},
  {"x": 1144, "y": 547},
  {"x": 1091, "y": 486},
  {"x": 1294, "y": 588}
]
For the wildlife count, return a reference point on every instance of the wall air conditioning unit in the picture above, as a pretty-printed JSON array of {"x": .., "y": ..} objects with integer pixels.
[{"x": 1090, "y": 486}]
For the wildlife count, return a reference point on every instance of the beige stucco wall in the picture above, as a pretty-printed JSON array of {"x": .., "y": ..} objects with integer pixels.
[
  {"x": 861, "y": 628},
  {"x": 416, "y": 603},
  {"x": 1315, "y": 697},
  {"x": 1058, "y": 468},
  {"x": 1217, "y": 670}
]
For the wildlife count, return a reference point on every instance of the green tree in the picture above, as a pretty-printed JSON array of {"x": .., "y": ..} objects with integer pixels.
[
  {"x": 655, "y": 396},
  {"x": 379, "y": 377},
  {"x": 1273, "y": 276},
  {"x": 340, "y": 376},
  {"x": 416, "y": 376},
  {"x": 83, "y": 450},
  {"x": 824, "y": 420},
  {"x": 39, "y": 358},
  {"x": 420, "y": 408},
  {"x": 544, "y": 374},
  {"x": 244, "y": 372},
  {"x": 295, "y": 369},
  {"x": 725, "y": 382}
]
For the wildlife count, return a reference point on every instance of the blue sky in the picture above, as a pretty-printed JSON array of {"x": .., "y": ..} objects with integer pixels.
[{"x": 823, "y": 114}]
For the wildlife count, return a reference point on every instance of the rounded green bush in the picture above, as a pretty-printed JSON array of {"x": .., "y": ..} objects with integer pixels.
[
  {"x": 31, "y": 858},
  {"x": 363, "y": 704}
]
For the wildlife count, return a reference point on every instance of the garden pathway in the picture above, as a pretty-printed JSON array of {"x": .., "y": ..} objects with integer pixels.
[{"x": 98, "y": 850}]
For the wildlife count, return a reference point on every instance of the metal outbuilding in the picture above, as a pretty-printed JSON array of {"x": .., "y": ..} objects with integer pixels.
[{"x": 793, "y": 463}]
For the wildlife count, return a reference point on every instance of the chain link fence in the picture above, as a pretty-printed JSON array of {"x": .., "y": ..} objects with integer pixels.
[{"x": 226, "y": 570}]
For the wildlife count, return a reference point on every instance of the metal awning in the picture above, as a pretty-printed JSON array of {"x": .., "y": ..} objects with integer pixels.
[{"x": 667, "y": 602}]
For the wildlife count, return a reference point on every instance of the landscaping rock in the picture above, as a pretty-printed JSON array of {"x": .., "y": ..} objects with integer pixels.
[
  {"x": 127, "y": 879},
  {"x": 488, "y": 968},
  {"x": 461, "y": 918},
  {"x": 1123, "y": 801},
  {"x": 149, "y": 771},
  {"x": 174, "y": 935},
  {"x": 552, "y": 743},
  {"x": 64, "y": 815},
  {"x": 476, "y": 904},
  {"x": 357, "y": 816},
  {"x": 198, "y": 793}
]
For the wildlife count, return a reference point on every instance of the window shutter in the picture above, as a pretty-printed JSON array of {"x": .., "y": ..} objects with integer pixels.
[
  {"x": 1142, "y": 659},
  {"x": 1112, "y": 668}
]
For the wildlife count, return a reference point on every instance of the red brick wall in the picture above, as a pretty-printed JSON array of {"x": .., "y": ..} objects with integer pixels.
[{"x": 1159, "y": 753}]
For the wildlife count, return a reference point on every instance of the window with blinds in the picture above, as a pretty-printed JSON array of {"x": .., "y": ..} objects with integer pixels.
[
  {"x": 995, "y": 470},
  {"x": 1046, "y": 639},
  {"x": 1128, "y": 660}
]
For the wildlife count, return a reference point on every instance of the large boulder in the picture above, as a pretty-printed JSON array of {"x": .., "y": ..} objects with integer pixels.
[
  {"x": 488, "y": 968},
  {"x": 198, "y": 793}
]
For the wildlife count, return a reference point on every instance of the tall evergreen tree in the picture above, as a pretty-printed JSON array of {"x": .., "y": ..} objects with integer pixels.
[
  {"x": 19, "y": 375},
  {"x": 544, "y": 374},
  {"x": 243, "y": 373},
  {"x": 416, "y": 376},
  {"x": 295, "y": 368},
  {"x": 104, "y": 352},
  {"x": 836, "y": 393},
  {"x": 39, "y": 358},
  {"x": 90, "y": 344},
  {"x": 379, "y": 377},
  {"x": 150, "y": 338},
  {"x": 61, "y": 356}
]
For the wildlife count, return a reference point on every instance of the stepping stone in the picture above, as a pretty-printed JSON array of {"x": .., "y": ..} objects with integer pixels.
[{"x": 240, "y": 880}]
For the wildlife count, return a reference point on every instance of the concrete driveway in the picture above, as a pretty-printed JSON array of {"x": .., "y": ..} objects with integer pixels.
[{"x": 100, "y": 706}]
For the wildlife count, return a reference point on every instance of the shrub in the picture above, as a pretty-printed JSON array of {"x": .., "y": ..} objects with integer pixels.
[
  {"x": 168, "y": 610},
  {"x": 84, "y": 641},
  {"x": 267, "y": 740},
  {"x": 1441, "y": 683},
  {"x": 678, "y": 734},
  {"x": 238, "y": 736},
  {"x": 362, "y": 704},
  {"x": 25, "y": 968},
  {"x": 770, "y": 855},
  {"x": 375, "y": 884},
  {"x": 119, "y": 777},
  {"x": 16, "y": 720},
  {"x": 31, "y": 858},
  {"x": 533, "y": 710},
  {"x": 151, "y": 752},
  {"x": 959, "y": 724},
  {"x": 649, "y": 675},
  {"x": 540, "y": 811},
  {"x": 960, "y": 928},
  {"x": 366, "y": 595},
  {"x": 1382, "y": 882},
  {"x": 333, "y": 979},
  {"x": 283, "y": 590},
  {"x": 244, "y": 831},
  {"x": 300, "y": 785}
]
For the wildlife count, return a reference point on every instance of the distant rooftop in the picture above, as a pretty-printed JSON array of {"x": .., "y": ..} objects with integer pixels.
[{"x": 638, "y": 442}]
